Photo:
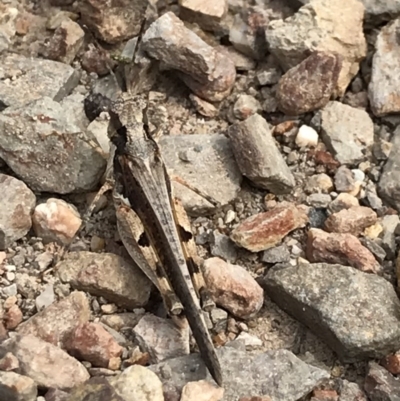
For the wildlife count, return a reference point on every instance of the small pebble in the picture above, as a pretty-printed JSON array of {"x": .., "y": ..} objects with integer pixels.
[{"x": 306, "y": 137}]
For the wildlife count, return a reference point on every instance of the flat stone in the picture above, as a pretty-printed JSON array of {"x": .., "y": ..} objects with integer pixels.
[
  {"x": 15, "y": 387},
  {"x": 383, "y": 90},
  {"x": 265, "y": 230},
  {"x": 233, "y": 288},
  {"x": 244, "y": 374},
  {"x": 211, "y": 157},
  {"x": 161, "y": 338},
  {"x": 353, "y": 220},
  {"x": 91, "y": 342},
  {"x": 55, "y": 323},
  {"x": 327, "y": 298},
  {"x": 389, "y": 183},
  {"x": 23, "y": 80},
  {"x": 343, "y": 249},
  {"x": 309, "y": 85},
  {"x": 346, "y": 131},
  {"x": 18, "y": 202},
  {"x": 42, "y": 143},
  {"x": 107, "y": 275},
  {"x": 258, "y": 157},
  {"x": 321, "y": 25},
  {"x": 208, "y": 73},
  {"x": 56, "y": 221},
  {"x": 46, "y": 364},
  {"x": 120, "y": 20},
  {"x": 207, "y": 14}
]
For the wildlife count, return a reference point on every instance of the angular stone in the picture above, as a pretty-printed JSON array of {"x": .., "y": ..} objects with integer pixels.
[
  {"x": 321, "y": 25},
  {"x": 327, "y": 298},
  {"x": 211, "y": 156},
  {"x": 353, "y": 220},
  {"x": 91, "y": 342},
  {"x": 161, "y": 338},
  {"x": 121, "y": 320},
  {"x": 208, "y": 73},
  {"x": 351, "y": 392},
  {"x": 139, "y": 384},
  {"x": 107, "y": 275},
  {"x": 117, "y": 21},
  {"x": 265, "y": 230},
  {"x": 260, "y": 375},
  {"x": 277, "y": 254},
  {"x": 201, "y": 391},
  {"x": 26, "y": 79},
  {"x": 343, "y": 201},
  {"x": 65, "y": 43},
  {"x": 203, "y": 107},
  {"x": 309, "y": 85},
  {"x": 258, "y": 156},
  {"x": 55, "y": 323},
  {"x": 392, "y": 363},
  {"x": 233, "y": 288},
  {"x": 15, "y": 387},
  {"x": 207, "y": 14},
  {"x": 13, "y": 317},
  {"x": 50, "y": 156},
  {"x": 344, "y": 249},
  {"x": 344, "y": 180},
  {"x": 56, "y": 221},
  {"x": 346, "y": 131},
  {"x": 380, "y": 384},
  {"x": 383, "y": 90},
  {"x": 377, "y": 11},
  {"x": 389, "y": 183},
  {"x": 46, "y": 364},
  {"x": 17, "y": 206},
  {"x": 245, "y": 106}
]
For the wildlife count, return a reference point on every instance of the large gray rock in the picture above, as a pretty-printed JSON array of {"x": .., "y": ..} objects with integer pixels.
[
  {"x": 258, "y": 156},
  {"x": 17, "y": 203},
  {"x": 246, "y": 375},
  {"x": 33, "y": 78},
  {"x": 355, "y": 313},
  {"x": 384, "y": 87},
  {"x": 389, "y": 183},
  {"x": 347, "y": 132},
  {"x": 195, "y": 157},
  {"x": 324, "y": 25},
  {"x": 42, "y": 143}
]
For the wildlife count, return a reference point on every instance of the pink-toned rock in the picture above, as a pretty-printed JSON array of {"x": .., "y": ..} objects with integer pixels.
[
  {"x": 48, "y": 365},
  {"x": 344, "y": 249},
  {"x": 55, "y": 323},
  {"x": 201, "y": 390},
  {"x": 13, "y": 317},
  {"x": 91, "y": 342},
  {"x": 265, "y": 230},
  {"x": 56, "y": 221},
  {"x": 353, "y": 220},
  {"x": 233, "y": 288},
  {"x": 9, "y": 362}
]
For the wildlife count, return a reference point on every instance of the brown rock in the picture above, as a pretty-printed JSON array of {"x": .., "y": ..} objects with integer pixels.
[
  {"x": 265, "y": 230},
  {"x": 97, "y": 60},
  {"x": 325, "y": 395},
  {"x": 46, "y": 364},
  {"x": 202, "y": 107},
  {"x": 91, "y": 342},
  {"x": 106, "y": 275},
  {"x": 324, "y": 158},
  {"x": 392, "y": 363},
  {"x": 114, "y": 21},
  {"x": 310, "y": 84},
  {"x": 207, "y": 72},
  {"x": 9, "y": 362},
  {"x": 13, "y": 317},
  {"x": 201, "y": 390},
  {"x": 56, "y": 221},
  {"x": 233, "y": 288},
  {"x": 344, "y": 249},
  {"x": 55, "y": 323},
  {"x": 353, "y": 220},
  {"x": 206, "y": 13},
  {"x": 65, "y": 43}
]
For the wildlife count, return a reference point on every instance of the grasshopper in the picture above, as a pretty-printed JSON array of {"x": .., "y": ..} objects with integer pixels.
[{"x": 153, "y": 226}]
